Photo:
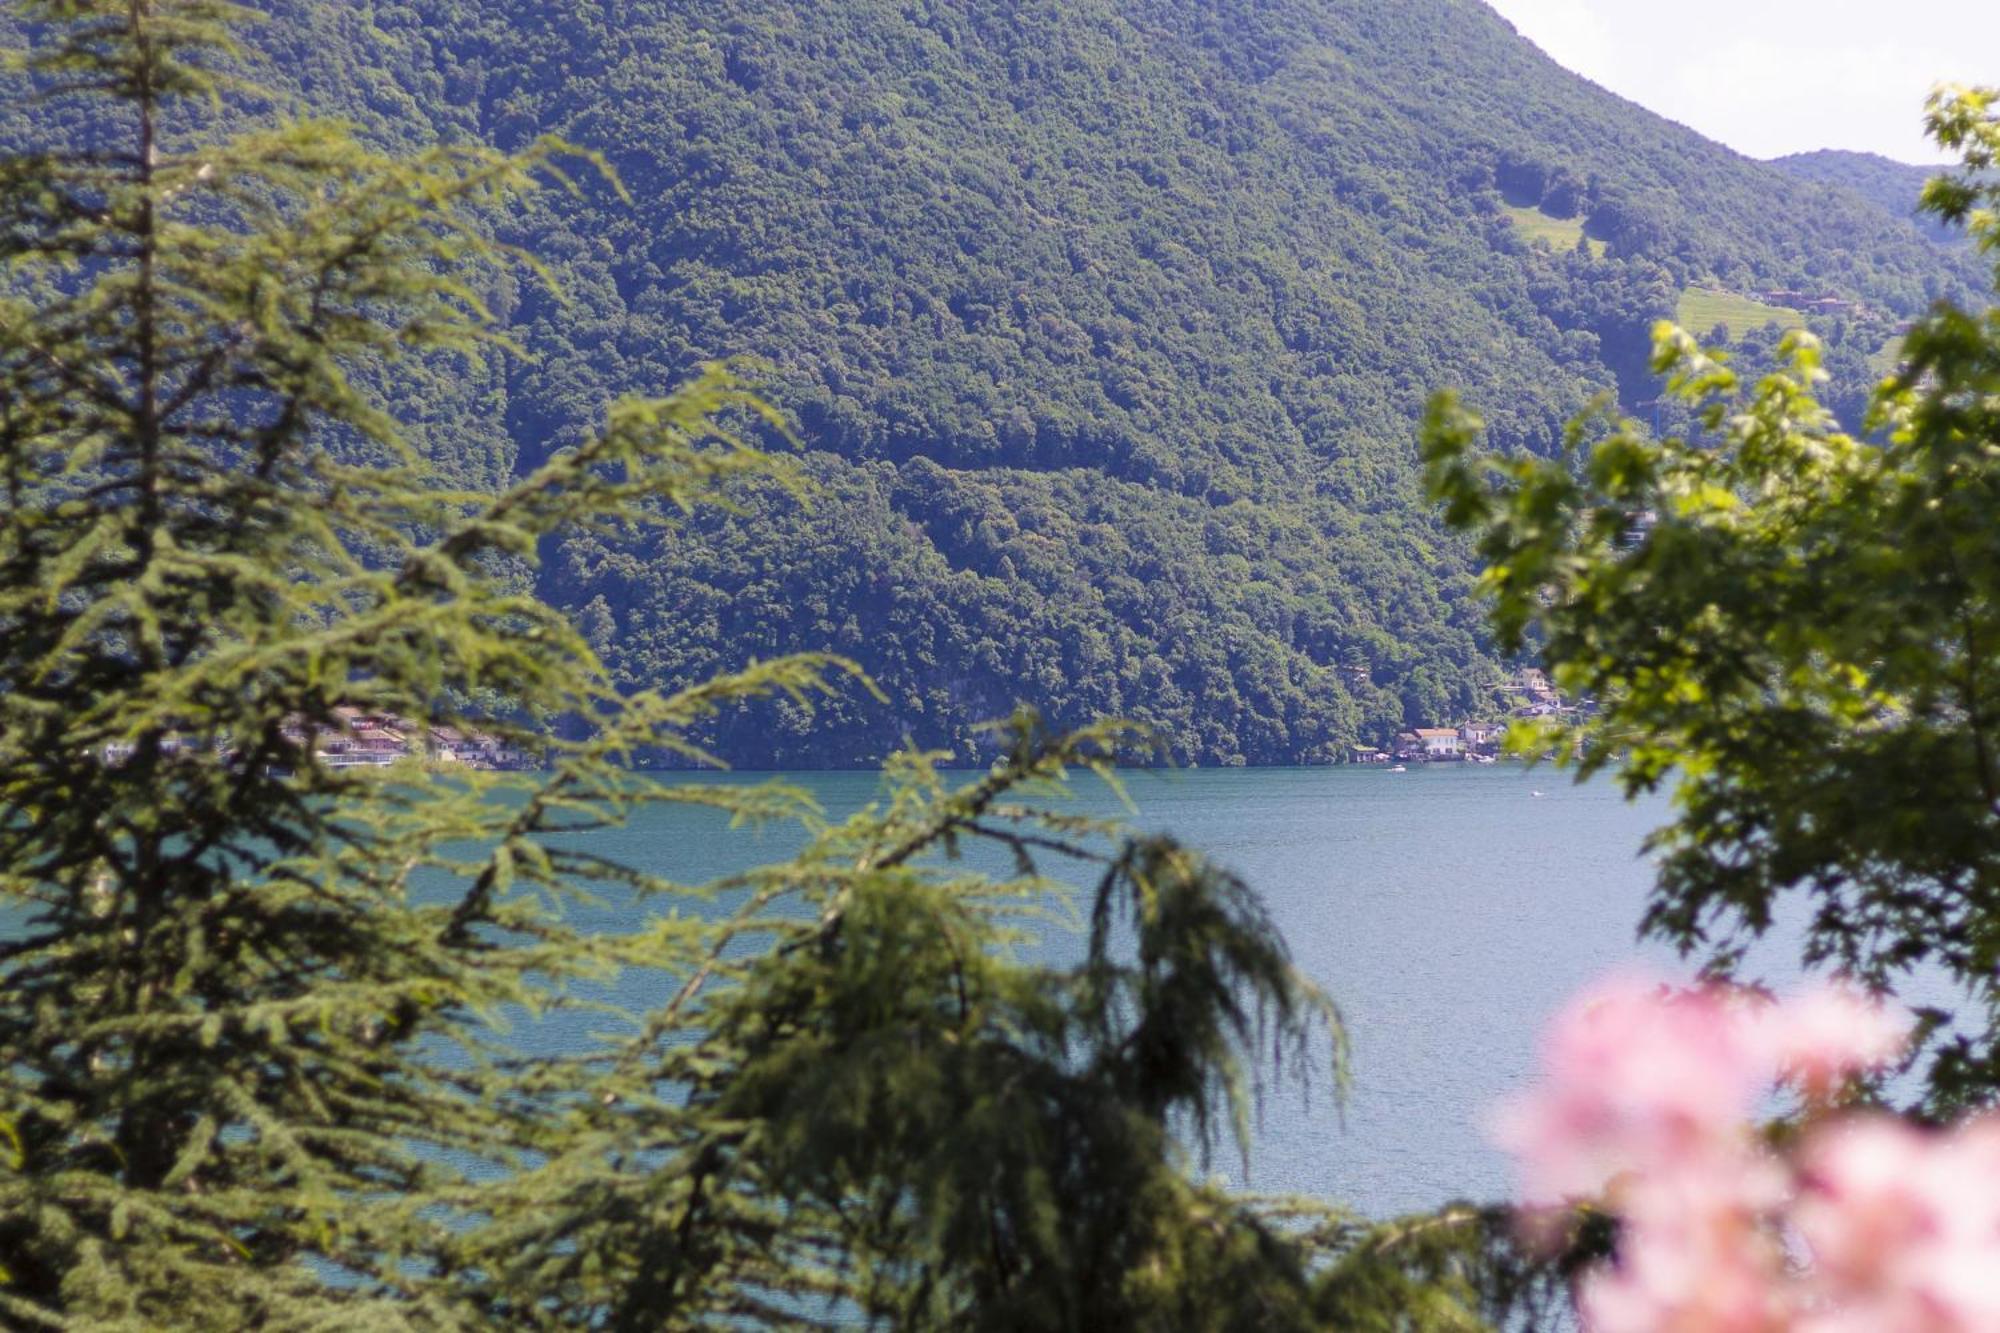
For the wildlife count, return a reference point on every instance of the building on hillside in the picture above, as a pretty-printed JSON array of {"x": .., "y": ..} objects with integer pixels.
[
  {"x": 363, "y": 740},
  {"x": 1813, "y": 303},
  {"x": 368, "y": 742},
  {"x": 477, "y": 749},
  {"x": 1439, "y": 743},
  {"x": 1533, "y": 684},
  {"x": 1638, "y": 528},
  {"x": 1480, "y": 737}
]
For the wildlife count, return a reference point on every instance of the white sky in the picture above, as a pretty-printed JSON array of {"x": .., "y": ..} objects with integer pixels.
[{"x": 1769, "y": 77}]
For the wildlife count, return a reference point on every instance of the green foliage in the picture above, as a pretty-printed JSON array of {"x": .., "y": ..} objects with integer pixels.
[
  {"x": 1104, "y": 332},
  {"x": 1895, "y": 187},
  {"x": 1793, "y": 629},
  {"x": 235, "y": 1041},
  {"x": 254, "y": 1067},
  {"x": 874, "y": 1110}
]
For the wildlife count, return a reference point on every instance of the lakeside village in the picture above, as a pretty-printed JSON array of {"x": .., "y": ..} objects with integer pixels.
[
  {"x": 1475, "y": 742},
  {"x": 377, "y": 740}
]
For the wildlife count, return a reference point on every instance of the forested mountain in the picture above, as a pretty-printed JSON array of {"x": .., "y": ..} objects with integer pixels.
[
  {"x": 1105, "y": 323},
  {"x": 1891, "y": 185}
]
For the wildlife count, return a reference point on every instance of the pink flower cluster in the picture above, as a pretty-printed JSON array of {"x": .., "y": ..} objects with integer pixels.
[{"x": 1859, "y": 1223}]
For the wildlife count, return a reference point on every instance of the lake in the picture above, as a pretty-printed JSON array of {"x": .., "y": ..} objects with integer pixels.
[{"x": 1449, "y": 911}]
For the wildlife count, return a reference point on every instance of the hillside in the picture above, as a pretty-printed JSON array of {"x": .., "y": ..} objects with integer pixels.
[
  {"x": 1891, "y": 186},
  {"x": 1106, "y": 325}
]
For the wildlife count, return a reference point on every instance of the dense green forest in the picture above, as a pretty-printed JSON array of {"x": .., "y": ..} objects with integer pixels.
[
  {"x": 1894, "y": 186},
  {"x": 260, "y": 1063},
  {"x": 1105, "y": 327}
]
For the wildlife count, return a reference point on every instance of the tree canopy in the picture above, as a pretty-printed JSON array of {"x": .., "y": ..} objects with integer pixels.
[
  {"x": 254, "y": 1068},
  {"x": 1792, "y": 627}
]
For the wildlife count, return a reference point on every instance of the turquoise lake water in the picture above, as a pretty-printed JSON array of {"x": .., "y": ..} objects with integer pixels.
[{"x": 1448, "y": 910}]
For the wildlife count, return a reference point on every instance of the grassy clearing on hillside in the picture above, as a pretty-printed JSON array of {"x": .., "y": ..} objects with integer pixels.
[
  {"x": 1560, "y": 233},
  {"x": 1702, "y": 308},
  {"x": 1886, "y": 361}
]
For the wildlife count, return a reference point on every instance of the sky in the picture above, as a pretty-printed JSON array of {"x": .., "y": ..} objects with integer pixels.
[{"x": 1769, "y": 77}]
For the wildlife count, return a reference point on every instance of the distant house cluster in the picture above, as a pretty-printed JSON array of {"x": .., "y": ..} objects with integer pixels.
[
  {"x": 1530, "y": 695},
  {"x": 1429, "y": 745},
  {"x": 374, "y": 740},
  {"x": 1812, "y": 303}
]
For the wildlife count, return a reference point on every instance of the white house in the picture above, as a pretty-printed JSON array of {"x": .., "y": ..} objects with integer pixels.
[
  {"x": 1481, "y": 735},
  {"x": 1439, "y": 742}
]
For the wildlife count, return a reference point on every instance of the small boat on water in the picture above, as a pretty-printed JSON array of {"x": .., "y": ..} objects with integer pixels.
[{"x": 1399, "y": 768}]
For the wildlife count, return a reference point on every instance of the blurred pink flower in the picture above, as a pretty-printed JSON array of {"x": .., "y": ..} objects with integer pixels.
[
  {"x": 1635, "y": 1078},
  {"x": 1828, "y": 1034},
  {"x": 1859, "y": 1224},
  {"x": 1697, "y": 1254},
  {"x": 1902, "y": 1224}
]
